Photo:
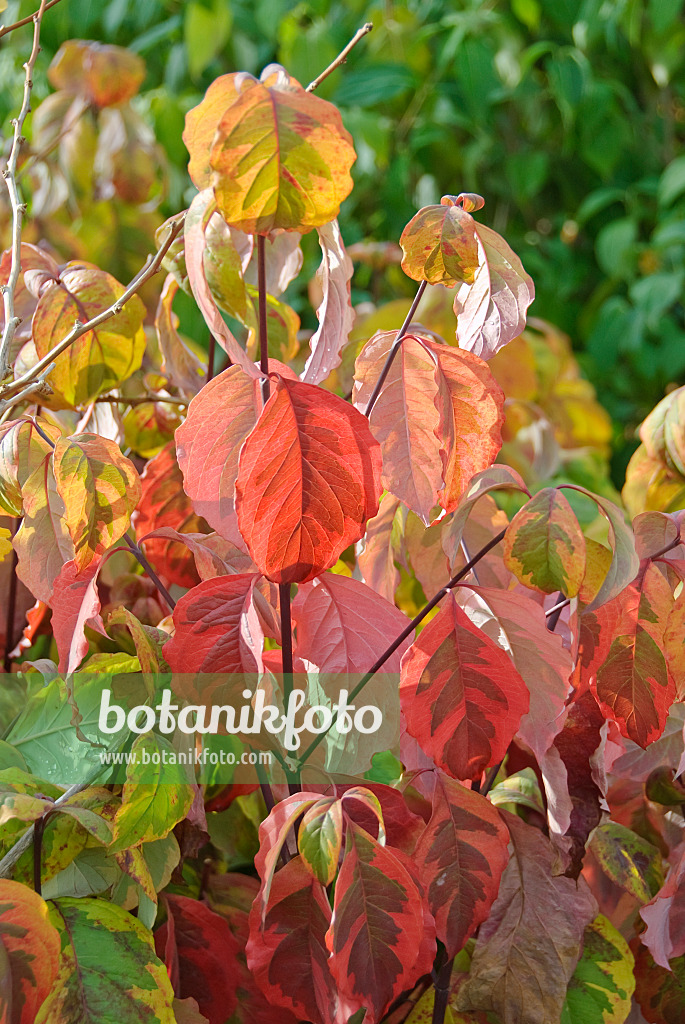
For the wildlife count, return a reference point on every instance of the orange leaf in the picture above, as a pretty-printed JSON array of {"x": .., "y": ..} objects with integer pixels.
[
  {"x": 308, "y": 480},
  {"x": 29, "y": 953}
]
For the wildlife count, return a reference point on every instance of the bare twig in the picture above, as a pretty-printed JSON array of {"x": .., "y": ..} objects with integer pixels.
[
  {"x": 150, "y": 572},
  {"x": 18, "y": 208},
  {"x": 152, "y": 265},
  {"x": 342, "y": 56},
  {"x": 142, "y": 399},
  {"x": 6, "y": 29},
  {"x": 38, "y": 386}
]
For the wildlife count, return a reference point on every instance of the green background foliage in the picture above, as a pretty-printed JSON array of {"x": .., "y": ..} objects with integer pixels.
[{"x": 567, "y": 115}]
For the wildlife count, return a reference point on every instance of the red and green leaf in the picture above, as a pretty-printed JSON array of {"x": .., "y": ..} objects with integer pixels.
[
  {"x": 377, "y": 927},
  {"x": 460, "y": 859},
  {"x": 29, "y": 953},
  {"x": 544, "y": 545},
  {"x": 462, "y": 698}
]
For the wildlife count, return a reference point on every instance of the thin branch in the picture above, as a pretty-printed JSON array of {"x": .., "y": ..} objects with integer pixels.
[
  {"x": 38, "y": 387},
  {"x": 286, "y": 639},
  {"x": 342, "y": 56},
  {"x": 394, "y": 349},
  {"x": 6, "y": 29},
  {"x": 151, "y": 267},
  {"x": 407, "y": 631},
  {"x": 553, "y": 614},
  {"x": 442, "y": 991},
  {"x": 24, "y": 842},
  {"x": 142, "y": 399},
  {"x": 18, "y": 208},
  {"x": 263, "y": 329},
  {"x": 149, "y": 571}
]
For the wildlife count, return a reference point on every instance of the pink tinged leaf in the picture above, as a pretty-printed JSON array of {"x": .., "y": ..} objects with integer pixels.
[
  {"x": 544, "y": 546},
  {"x": 460, "y": 859},
  {"x": 519, "y": 626},
  {"x": 308, "y": 480},
  {"x": 335, "y": 314},
  {"x": 180, "y": 366},
  {"x": 440, "y": 245},
  {"x": 275, "y": 833},
  {"x": 401, "y": 826},
  {"x": 492, "y": 311},
  {"x": 461, "y": 696},
  {"x": 665, "y": 914},
  {"x": 199, "y": 214},
  {"x": 405, "y": 419},
  {"x": 42, "y": 543},
  {"x": 472, "y": 415},
  {"x": 287, "y": 951},
  {"x": 343, "y": 626},
  {"x": 381, "y": 545},
  {"x": 75, "y": 604},
  {"x": 528, "y": 948},
  {"x": 655, "y": 531},
  {"x": 217, "y": 628},
  {"x": 377, "y": 927}
]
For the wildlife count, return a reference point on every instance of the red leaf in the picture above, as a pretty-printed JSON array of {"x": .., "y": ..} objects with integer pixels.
[
  {"x": 335, "y": 314},
  {"x": 165, "y": 503},
  {"x": 460, "y": 858},
  {"x": 200, "y": 951},
  {"x": 308, "y": 480},
  {"x": 217, "y": 628},
  {"x": 632, "y": 682},
  {"x": 287, "y": 952},
  {"x": 29, "y": 953},
  {"x": 343, "y": 625},
  {"x": 460, "y": 693},
  {"x": 208, "y": 443},
  {"x": 378, "y": 924},
  {"x": 665, "y": 915}
]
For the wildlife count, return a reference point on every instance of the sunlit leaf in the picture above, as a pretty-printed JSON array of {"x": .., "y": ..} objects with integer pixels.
[
  {"x": 29, "y": 953},
  {"x": 280, "y": 157},
  {"x": 544, "y": 545},
  {"x": 308, "y": 480},
  {"x": 461, "y": 696}
]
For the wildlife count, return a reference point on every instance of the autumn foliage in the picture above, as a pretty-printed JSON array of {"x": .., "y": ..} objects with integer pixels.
[{"x": 398, "y": 503}]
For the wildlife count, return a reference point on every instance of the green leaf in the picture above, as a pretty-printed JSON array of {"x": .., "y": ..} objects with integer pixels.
[
  {"x": 150, "y": 809},
  {"x": 206, "y": 31},
  {"x": 603, "y": 982},
  {"x": 108, "y": 972}
]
